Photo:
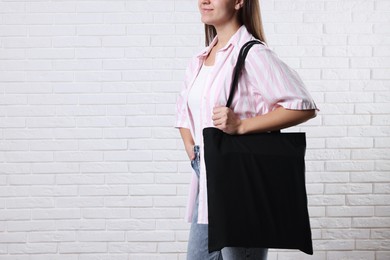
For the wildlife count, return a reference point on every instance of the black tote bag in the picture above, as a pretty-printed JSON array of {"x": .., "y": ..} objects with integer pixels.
[{"x": 256, "y": 186}]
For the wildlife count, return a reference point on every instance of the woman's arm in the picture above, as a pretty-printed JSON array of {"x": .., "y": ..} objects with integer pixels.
[
  {"x": 225, "y": 120},
  {"x": 188, "y": 142}
]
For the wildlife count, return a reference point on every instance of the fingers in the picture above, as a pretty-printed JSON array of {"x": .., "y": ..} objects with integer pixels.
[
  {"x": 190, "y": 152},
  {"x": 225, "y": 120},
  {"x": 220, "y": 115}
]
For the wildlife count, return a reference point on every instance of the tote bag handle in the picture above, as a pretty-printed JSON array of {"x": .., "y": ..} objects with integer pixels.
[
  {"x": 239, "y": 65},
  {"x": 238, "y": 68}
]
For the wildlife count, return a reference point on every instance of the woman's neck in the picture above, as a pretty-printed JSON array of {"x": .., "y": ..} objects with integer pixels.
[{"x": 224, "y": 33}]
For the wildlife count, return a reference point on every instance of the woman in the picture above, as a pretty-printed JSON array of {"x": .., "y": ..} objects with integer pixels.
[{"x": 270, "y": 96}]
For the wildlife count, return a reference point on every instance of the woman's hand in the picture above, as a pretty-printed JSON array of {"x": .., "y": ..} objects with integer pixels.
[
  {"x": 188, "y": 142},
  {"x": 190, "y": 151},
  {"x": 226, "y": 120}
]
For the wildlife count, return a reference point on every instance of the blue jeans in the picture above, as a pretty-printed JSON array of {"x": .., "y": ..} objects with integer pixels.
[{"x": 198, "y": 239}]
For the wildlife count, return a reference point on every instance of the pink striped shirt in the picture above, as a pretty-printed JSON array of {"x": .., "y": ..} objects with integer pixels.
[{"x": 265, "y": 84}]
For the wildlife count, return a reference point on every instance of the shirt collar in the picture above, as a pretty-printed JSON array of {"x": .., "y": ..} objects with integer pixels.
[{"x": 240, "y": 35}]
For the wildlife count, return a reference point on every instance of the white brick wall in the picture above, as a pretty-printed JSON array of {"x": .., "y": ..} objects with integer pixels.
[{"x": 91, "y": 167}]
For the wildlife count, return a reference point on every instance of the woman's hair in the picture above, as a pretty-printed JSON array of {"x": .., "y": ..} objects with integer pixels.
[{"x": 250, "y": 16}]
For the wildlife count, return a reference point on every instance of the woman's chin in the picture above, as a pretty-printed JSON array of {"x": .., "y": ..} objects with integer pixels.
[{"x": 206, "y": 21}]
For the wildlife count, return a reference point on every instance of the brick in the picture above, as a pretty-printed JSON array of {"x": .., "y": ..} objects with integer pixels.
[
  {"x": 14, "y": 30},
  {"x": 82, "y": 247},
  {"x": 131, "y": 224},
  {"x": 378, "y": 154},
  {"x": 77, "y": 66},
  {"x": 106, "y": 190},
  {"x": 80, "y": 202},
  {"x": 106, "y": 213},
  {"x": 335, "y": 245},
  {"x": 12, "y": 7},
  {"x": 382, "y": 255},
  {"x": 323, "y": 17},
  {"x": 154, "y": 213},
  {"x": 380, "y": 73},
  {"x": 49, "y": 122},
  {"x": 135, "y": 17},
  {"x": 75, "y": 41},
  {"x": 370, "y": 176},
  {"x": 24, "y": 42},
  {"x": 78, "y": 156},
  {"x": 89, "y": 145},
  {"x": 77, "y": 225},
  {"x": 373, "y": 244},
  {"x": 140, "y": 144},
  {"x": 28, "y": 225},
  {"x": 350, "y": 120},
  {"x": 348, "y": 188},
  {"x": 102, "y": 30},
  {"x": 102, "y": 257},
  {"x": 345, "y": 74},
  {"x": 325, "y": 62},
  {"x": 52, "y": 7},
  {"x": 129, "y": 110},
  {"x": 15, "y": 65},
  {"x": 53, "y": 31},
  {"x": 51, "y": 191},
  {"x": 44, "y": 53},
  {"x": 368, "y": 199},
  {"x": 382, "y": 165},
  {"x": 55, "y": 168},
  {"x": 349, "y": 211},
  {"x": 132, "y": 247},
  {"x": 97, "y": 236},
  {"x": 382, "y": 188},
  {"x": 326, "y": 200},
  {"x": 298, "y": 6},
  {"x": 103, "y": 167},
  {"x": 360, "y": 255},
  {"x": 15, "y": 237},
  {"x": 150, "y": 236},
  {"x": 152, "y": 189},
  {"x": 128, "y": 156},
  {"x": 30, "y": 19},
  {"x": 380, "y": 120},
  {"x": 80, "y": 18},
  {"x": 368, "y": 131},
  {"x": 100, "y": 7},
  {"x": 32, "y": 248},
  {"x": 12, "y": 215},
  {"x": 143, "y": 178},
  {"x": 322, "y": 39},
  {"x": 382, "y": 211},
  {"x": 11, "y": 76},
  {"x": 348, "y": 28},
  {"x": 107, "y": 53},
  {"x": 31, "y": 179},
  {"x": 346, "y": 234}
]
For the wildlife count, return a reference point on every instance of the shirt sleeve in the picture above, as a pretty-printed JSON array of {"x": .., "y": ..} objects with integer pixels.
[
  {"x": 181, "y": 119},
  {"x": 275, "y": 82}
]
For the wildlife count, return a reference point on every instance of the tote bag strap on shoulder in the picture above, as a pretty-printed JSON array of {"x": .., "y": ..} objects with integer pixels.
[
  {"x": 239, "y": 65},
  {"x": 237, "y": 70}
]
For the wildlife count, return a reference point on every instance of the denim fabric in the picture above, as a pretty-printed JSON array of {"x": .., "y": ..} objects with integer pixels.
[
  {"x": 198, "y": 238},
  {"x": 195, "y": 163},
  {"x": 198, "y": 242}
]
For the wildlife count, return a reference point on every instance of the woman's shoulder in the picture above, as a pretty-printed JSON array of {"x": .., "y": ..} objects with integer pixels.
[{"x": 260, "y": 50}]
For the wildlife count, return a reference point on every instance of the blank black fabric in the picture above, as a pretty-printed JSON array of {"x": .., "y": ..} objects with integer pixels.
[{"x": 256, "y": 188}]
